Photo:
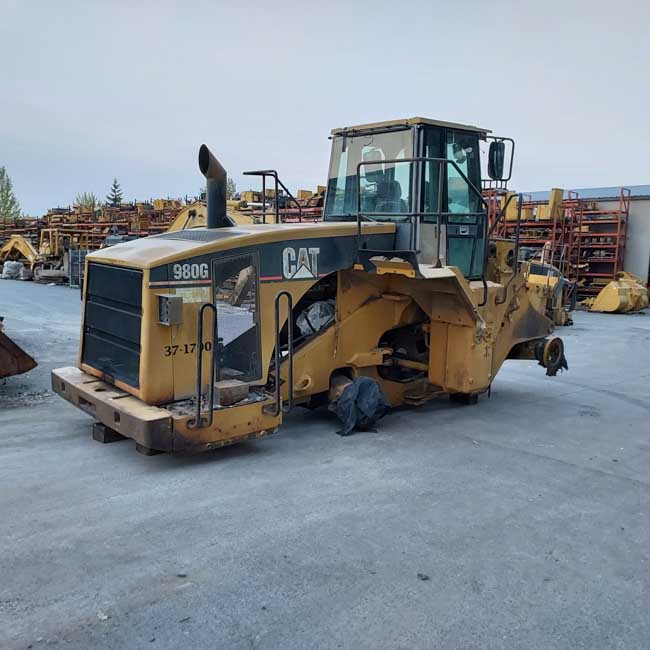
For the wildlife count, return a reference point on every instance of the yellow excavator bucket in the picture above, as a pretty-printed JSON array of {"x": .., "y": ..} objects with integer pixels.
[
  {"x": 625, "y": 294},
  {"x": 13, "y": 359}
]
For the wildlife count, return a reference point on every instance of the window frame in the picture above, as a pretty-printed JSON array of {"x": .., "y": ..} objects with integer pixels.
[{"x": 224, "y": 259}]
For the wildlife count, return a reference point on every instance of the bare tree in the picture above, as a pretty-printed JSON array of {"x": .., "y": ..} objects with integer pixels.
[{"x": 86, "y": 202}]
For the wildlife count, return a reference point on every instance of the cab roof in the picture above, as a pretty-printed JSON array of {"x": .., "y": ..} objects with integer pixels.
[{"x": 409, "y": 121}]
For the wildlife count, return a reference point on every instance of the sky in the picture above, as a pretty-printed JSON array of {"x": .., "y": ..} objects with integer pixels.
[{"x": 93, "y": 90}]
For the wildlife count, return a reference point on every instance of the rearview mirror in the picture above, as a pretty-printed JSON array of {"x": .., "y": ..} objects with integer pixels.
[{"x": 496, "y": 160}]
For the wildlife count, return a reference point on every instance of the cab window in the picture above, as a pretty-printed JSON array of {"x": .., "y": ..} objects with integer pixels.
[
  {"x": 462, "y": 149},
  {"x": 385, "y": 187}
]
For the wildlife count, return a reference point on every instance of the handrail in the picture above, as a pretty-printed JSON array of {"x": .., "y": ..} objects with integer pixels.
[
  {"x": 520, "y": 201},
  {"x": 419, "y": 160},
  {"x": 277, "y": 359},
  {"x": 412, "y": 215},
  {"x": 502, "y": 212},
  {"x": 278, "y": 183},
  {"x": 214, "y": 370}
]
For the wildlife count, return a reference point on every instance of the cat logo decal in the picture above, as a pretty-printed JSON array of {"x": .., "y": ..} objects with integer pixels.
[{"x": 300, "y": 264}]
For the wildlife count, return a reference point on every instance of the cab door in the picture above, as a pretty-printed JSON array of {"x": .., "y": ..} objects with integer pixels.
[
  {"x": 452, "y": 226},
  {"x": 466, "y": 218},
  {"x": 432, "y": 232}
]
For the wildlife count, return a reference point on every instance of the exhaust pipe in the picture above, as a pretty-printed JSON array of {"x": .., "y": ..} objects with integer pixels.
[{"x": 216, "y": 177}]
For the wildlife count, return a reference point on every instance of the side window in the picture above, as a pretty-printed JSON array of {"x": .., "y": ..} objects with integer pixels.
[
  {"x": 462, "y": 149},
  {"x": 337, "y": 185},
  {"x": 385, "y": 187},
  {"x": 235, "y": 292},
  {"x": 371, "y": 176},
  {"x": 432, "y": 149},
  {"x": 402, "y": 184}
]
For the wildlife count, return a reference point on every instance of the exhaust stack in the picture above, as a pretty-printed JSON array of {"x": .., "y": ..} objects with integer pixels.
[{"x": 216, "y": 177}]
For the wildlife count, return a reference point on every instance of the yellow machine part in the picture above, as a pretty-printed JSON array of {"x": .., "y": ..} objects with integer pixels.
[
  {"x": 556, "y": 306},
  {"x": 552, "y": 210},
  {"x": 625, "y": 294},
  {"x": 195, "y": 216},
  {"x": 543, "y": 280},
  {"x": 240, "y": 213},
  {"x": 166, "y": 204},
  {"x": 19, "y": 249},
  {"x": 512, "y": 209},
  {"x": 51, "y": 243}
]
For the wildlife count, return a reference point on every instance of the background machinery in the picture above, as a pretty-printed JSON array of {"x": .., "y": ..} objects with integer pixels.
[
  {"x": 50, "y": 263},
  {"x": 203, "y": 337},
  {"x": 625, "y": 294},
  {"x": 561, "y": 300}
]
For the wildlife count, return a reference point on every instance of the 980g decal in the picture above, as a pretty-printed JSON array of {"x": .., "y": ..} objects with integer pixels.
[
  {"x": 188, "y": 274},
  {"x": 191, "y": 271}
]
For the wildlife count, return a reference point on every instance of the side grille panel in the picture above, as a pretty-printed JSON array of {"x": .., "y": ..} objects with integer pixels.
[
  {"x": 112, "y": 322},
  {"x": 195, "y": 234}
]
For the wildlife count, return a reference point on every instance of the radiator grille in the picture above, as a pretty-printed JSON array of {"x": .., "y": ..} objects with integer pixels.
[
  {"x": 112, "y": 322},
  {"x": 212, "y": 234}
]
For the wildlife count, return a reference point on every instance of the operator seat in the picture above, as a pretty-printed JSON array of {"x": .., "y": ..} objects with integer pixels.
[{"x": 389, "y": 197}]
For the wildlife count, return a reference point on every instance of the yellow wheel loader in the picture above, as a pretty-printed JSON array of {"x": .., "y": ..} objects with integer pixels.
[
  {"x": 561, "y": 292},
  {"x": 199, "y": 338}
]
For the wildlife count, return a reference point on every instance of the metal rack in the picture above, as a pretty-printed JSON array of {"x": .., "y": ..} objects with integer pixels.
[
  {"x": 600, "y": 243},
  {"x": 586, "y": 243},
  {"x": 549, "y": 239}
]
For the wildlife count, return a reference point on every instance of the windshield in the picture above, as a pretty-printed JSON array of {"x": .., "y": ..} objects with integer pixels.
[{"x": 384, "y": 187}]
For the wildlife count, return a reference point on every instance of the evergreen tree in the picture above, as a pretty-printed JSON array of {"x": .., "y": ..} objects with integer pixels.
[
  {"x": 231, "y": 188},
  {"x": 9, "y": 206},
  {"x": 114, "y": 198}
]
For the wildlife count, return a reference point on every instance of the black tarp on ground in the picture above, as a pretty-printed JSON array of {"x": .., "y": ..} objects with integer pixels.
[{"x": 361, "y": 404}]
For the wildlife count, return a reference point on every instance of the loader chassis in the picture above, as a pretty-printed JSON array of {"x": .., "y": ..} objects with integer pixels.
[
  {"x": 464, "y": 345},
  {"x": 418, "y": 329}
]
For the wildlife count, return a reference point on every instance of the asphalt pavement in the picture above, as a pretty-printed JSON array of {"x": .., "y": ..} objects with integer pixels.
[{"x": 521, "y": 522}]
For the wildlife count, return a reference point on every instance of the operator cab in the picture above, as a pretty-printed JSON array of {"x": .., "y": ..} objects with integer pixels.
[{"x": 424, "y": 176}]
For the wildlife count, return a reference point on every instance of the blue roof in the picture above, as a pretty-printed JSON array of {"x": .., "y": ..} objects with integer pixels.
[{"x": 597, "y": 192}]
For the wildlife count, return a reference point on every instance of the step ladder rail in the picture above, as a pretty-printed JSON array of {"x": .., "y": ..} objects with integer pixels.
[
  {"x": 279, "y": 406},
  {"x": 198, "y": 421}
]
